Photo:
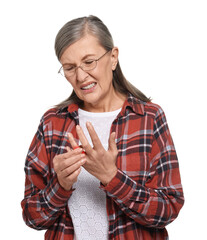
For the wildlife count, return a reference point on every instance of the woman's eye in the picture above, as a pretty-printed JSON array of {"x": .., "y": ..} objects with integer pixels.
[
  {"x": 70, "y": 68},
  {"x": 88, "y": 62}
]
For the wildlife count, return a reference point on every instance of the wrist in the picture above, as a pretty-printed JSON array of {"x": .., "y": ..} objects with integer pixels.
[{"x": 108, "y": 178}]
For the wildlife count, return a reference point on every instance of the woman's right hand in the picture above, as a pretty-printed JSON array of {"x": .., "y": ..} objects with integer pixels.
[{"x": 67, "y": 167}]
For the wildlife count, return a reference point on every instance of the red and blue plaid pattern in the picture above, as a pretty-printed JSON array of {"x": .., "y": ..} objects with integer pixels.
[{"x": 144, "y": 196}]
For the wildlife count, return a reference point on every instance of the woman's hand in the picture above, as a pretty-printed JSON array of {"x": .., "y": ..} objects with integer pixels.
[
  {"x": 67, "y": 167},
  {"x": 99, "y": 162}
]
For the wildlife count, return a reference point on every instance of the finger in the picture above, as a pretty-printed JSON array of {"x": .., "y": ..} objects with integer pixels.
[
  {"x": 68, "y": 149},
  {"x": 81, "y": 148},
  {"x": 74, "y": 175},
  {"x": 86, "y": 146},
  {"x": 112, "y": 142},
  {"x": 64, "y": 160},
  {"x": 70, "y": 161},
  {"x": 94, "y": 137},
  {"x": 69, "y": 153},
  {"x": 69, "y": 170},
  {"x": 72, "y": 141}
]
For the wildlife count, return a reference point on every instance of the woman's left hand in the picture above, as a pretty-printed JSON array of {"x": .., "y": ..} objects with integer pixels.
[{"x": 99, "y": 162}]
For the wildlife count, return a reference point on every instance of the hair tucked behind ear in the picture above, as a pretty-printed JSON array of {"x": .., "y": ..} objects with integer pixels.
[{"x": 74, "y": 31}]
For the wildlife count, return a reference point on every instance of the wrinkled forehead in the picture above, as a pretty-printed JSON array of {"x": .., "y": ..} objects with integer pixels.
[{"x": 87, "y": 45}]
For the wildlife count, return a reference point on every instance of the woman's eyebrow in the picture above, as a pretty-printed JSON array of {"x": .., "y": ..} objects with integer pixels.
[{"x": 88, "y": 55}]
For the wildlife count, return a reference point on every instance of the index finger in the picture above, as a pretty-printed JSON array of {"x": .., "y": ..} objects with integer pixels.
[
  {"x": 86, "y": 146},
  {"x": 72, "y": 141}
]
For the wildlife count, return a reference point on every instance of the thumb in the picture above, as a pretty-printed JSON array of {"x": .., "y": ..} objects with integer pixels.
[{"x": 112, "y": 142}]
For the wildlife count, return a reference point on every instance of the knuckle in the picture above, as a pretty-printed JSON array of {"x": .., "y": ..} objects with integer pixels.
[
  {"x": 101, "y": 152},
  {"x": 86, "y": 145},
  {"x": 63, "y": 164},
  {"x": 116, "y": 152}
]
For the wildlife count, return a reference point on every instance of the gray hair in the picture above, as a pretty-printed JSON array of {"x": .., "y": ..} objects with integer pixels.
[{"x": 76, "y": 29}]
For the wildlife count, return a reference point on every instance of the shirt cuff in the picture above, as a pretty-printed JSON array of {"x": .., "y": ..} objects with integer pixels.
[
  {"x": 125, "y": 189},
  {"x": 56, "y": 195}
]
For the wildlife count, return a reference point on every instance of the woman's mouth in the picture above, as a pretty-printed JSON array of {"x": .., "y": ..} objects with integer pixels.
[{"x": 89, "y": 88}]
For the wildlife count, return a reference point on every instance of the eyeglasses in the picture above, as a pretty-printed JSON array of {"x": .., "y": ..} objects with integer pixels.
[{"x": 88, "y": 65}]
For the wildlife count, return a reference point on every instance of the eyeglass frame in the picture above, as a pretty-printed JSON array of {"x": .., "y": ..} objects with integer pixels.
[{"x": 75, "y": 68}]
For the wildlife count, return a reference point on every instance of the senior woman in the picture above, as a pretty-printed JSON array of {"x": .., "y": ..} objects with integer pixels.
[{"x": 102, "y": 164}]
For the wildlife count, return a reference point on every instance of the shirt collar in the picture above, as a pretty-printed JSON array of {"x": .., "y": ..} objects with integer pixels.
[
  {"x": 134, "y": 104},
  {"x": 73, "y": 108},
  {"x": 131, "y": 102}
]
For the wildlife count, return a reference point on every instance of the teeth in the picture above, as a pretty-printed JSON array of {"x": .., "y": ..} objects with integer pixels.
[{"x": 89, "y": 86}]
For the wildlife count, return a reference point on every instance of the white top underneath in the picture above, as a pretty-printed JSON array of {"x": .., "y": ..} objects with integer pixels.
[{"x": 88, "y": 202}]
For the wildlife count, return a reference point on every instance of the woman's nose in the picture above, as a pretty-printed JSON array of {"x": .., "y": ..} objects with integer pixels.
[{"x": 81, "y": 74}]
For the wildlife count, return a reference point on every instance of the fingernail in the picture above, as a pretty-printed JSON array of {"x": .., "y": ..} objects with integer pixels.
[{"x": 83, "y": 160}]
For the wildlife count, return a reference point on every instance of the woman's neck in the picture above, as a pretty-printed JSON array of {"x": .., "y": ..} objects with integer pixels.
[{"x": 114, "y": 102}]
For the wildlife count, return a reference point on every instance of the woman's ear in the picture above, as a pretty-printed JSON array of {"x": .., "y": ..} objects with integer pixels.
[{"x": 114, "y": 57}]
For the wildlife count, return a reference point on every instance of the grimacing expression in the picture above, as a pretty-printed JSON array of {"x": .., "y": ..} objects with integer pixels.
[{"x": 95, "y": 85}]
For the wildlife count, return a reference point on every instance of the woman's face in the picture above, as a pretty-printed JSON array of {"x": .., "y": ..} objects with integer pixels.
[{"x": 94, "y": 87}]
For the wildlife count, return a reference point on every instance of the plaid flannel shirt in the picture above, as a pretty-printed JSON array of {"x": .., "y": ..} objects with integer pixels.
[{"x": 144, "y": 196}]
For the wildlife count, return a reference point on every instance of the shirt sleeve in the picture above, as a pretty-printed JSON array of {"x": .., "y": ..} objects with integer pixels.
[
  {"x": 44, "y": 199},
  {"x": 157, "y": 202}
]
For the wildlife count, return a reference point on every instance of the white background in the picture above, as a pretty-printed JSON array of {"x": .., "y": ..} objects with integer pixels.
[{"x": 163, "y": 51}]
